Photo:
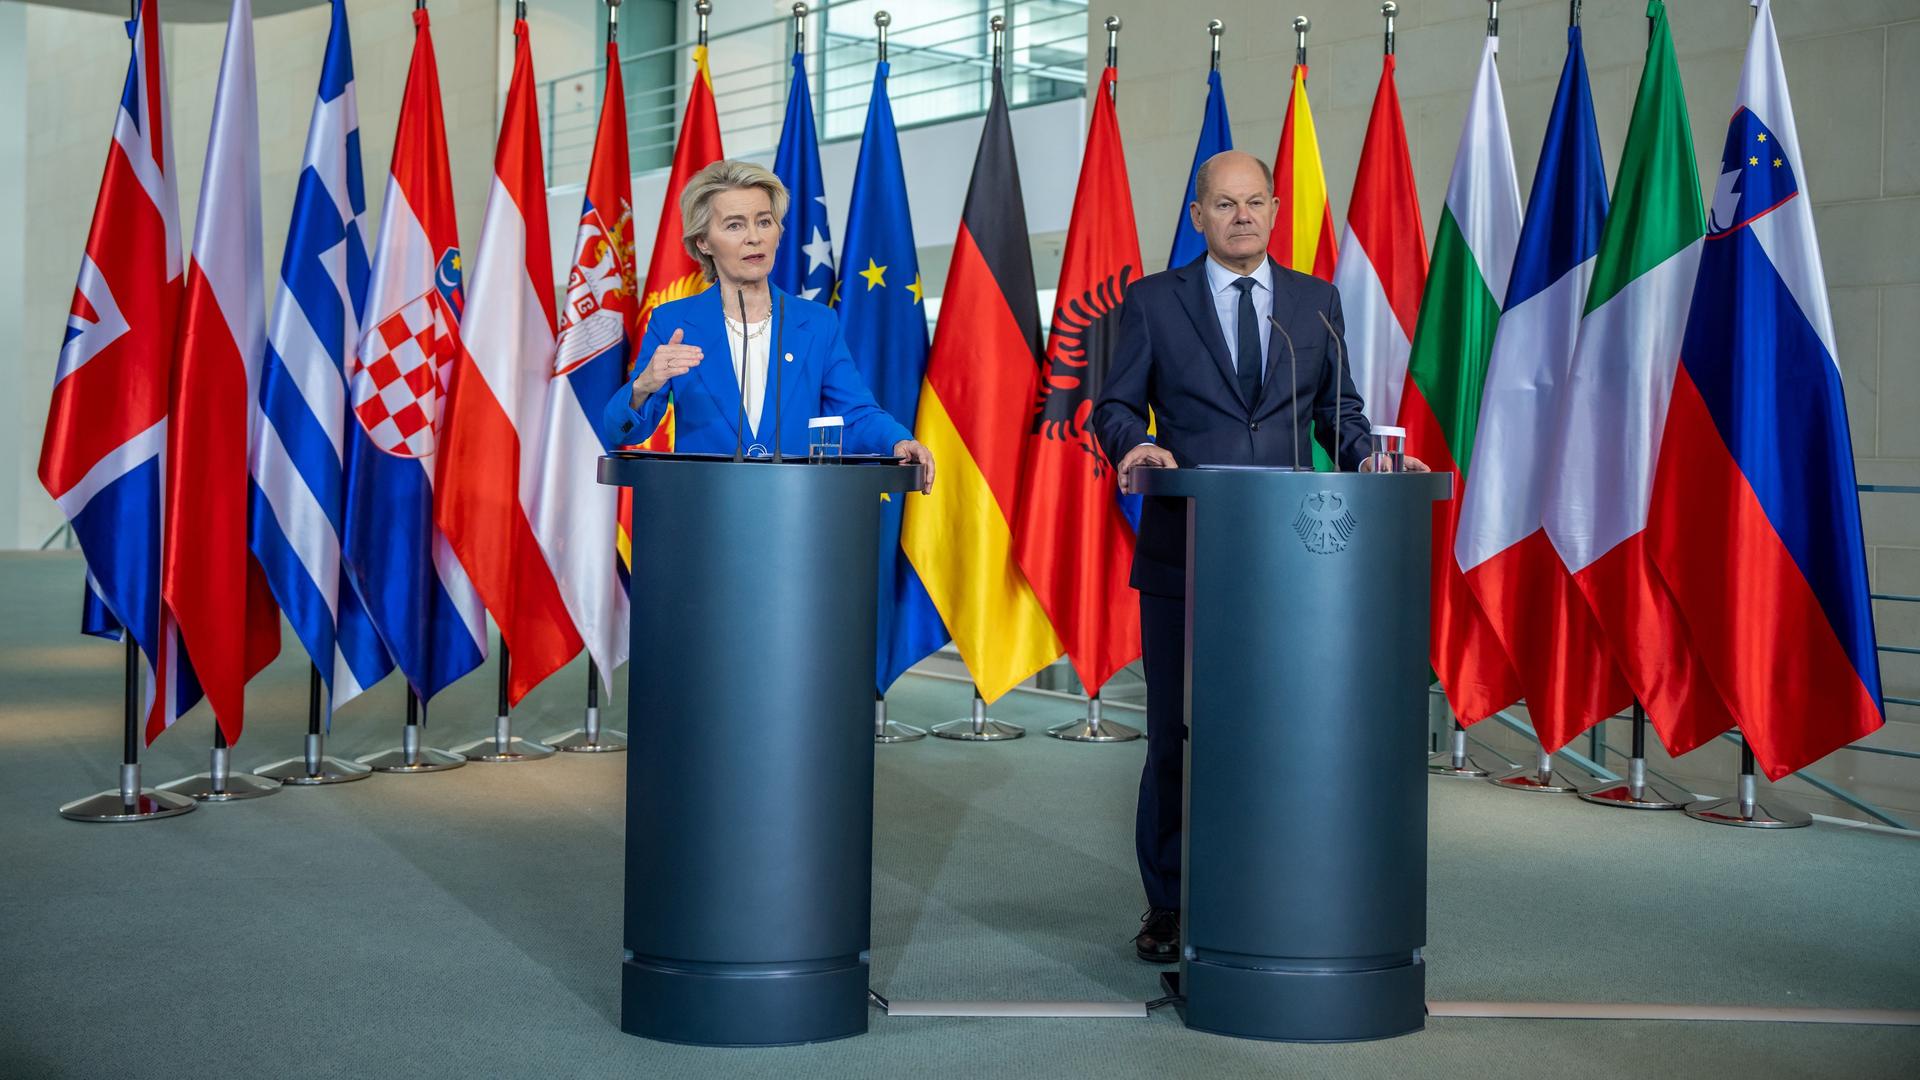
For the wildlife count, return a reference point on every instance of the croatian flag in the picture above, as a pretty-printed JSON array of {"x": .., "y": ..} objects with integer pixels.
[
  {"x": 211, "y": 584},
  {"x": 300, "y": 422},
  {"x": 498, "y": 391},
  {"x": 1754, "y": 521},
  {"x": 419, "y": 596},
  {"x": 103, "y": 458}
]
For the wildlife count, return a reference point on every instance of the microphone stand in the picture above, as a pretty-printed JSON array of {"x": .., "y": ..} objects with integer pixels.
[
  {"x": 1293, "y": 391},
  {"x": 740, "y": 429},
  {"x": 777, "y": 358},
  {"x": 1339, "y": 384}
]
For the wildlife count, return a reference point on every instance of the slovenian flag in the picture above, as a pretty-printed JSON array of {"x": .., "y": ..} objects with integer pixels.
[{"x": 1754, "y": 521}]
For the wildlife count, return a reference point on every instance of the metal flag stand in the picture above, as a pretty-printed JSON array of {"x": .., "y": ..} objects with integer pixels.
[
  {"x": 891, "y": 731},
  {"x": 130, "y": 801},
  {"x": 1454, "y": 761},
  {"x": 410, "y": 756},
  {"x": 503, "y": 745},
  {"x": 220, "y": 783},
  {"x": 314, "y": 766},
  {"x": 1637, "y": 791},
  {"x": 1539, "y": 777},
  {"x": 978, "y": 727},
  {"x": 590, "y": 737},
  {"x": 1092, "y": 728},
  {"x": 1745, "y": 809}
]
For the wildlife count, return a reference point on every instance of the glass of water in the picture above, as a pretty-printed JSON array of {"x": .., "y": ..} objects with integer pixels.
[
  {"x": 824, "y": 435},
  {"x": 1389, "y": 449}
]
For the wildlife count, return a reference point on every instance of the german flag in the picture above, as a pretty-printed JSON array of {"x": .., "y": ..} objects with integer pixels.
[{"x": 976, "y": 405}]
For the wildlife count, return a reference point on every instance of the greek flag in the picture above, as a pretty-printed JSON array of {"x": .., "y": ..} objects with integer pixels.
[{"x": 298, "y": 508}]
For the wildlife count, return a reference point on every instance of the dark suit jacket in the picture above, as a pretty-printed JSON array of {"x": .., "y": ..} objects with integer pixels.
[{"x": 1172, "y": 358}]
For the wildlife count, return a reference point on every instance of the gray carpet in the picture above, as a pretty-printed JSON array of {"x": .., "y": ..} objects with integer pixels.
[{"x": 467, "y": 923}]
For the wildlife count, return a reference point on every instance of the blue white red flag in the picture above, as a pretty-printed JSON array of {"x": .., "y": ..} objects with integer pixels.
[
  {"x": 300, "y": 424},
  {"x": 419, "y": 596},
  {"x": 103, "y": 458},
  {"x": 1755, "y": 523},
  {"x": 804, "y": 264}
]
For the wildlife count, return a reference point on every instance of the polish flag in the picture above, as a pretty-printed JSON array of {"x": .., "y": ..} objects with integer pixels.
[
  {"x": 498, "y": 390},
  {"x": 212, "y": 586}
]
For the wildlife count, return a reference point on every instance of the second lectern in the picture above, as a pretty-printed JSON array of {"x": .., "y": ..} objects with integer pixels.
[
  {"x": 750, "y": 766},
  {"x": 1305, "y": 846}
]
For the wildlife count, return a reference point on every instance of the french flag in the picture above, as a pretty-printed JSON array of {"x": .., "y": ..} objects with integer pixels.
[
  {"x": 212, "y": 586},
  {"x": 499, "y": 390},
  {"x": 415, "y": 589},
  {"x": 1754, "y": 519},
  {"x": 103, "y": 458}
]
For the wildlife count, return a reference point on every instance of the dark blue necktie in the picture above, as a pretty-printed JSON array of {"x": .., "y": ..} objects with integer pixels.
[{"x": 1248, "y": 351}]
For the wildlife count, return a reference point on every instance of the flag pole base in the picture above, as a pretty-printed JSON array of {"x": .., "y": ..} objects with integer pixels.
[
  {"x": 1093, "y": 728},
  {"x": 421, "y": 759},
  {"x": 1455, "y": 761},
  {"x": 128, "y": 802},
  {"x": 591, "y": 738},
  {"x": 503, "y": 746},
  {"x": 1539, "y": 778},
  {"x": 316, "y": 766},
  {"x": 1772, "y": 814},
  {"x": 221, "y": 784},
  {"x": 1637, "y": 791},
  {"x": 892, "y": 731},
  {"x": 979, "y": 727}
]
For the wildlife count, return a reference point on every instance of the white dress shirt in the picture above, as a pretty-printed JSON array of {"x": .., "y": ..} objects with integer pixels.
[
  {"x": 1226, "y": 305},
  {"x": 751, "y": 376}
]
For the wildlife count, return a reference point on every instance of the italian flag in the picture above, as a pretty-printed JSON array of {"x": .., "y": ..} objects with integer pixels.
[
  {"x": 1615, "y": 406},
  {"x": 1386, "y": 264},
  {"x": 1473, "y": 252}
]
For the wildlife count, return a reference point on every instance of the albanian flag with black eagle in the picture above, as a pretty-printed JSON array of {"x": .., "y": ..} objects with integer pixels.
[{"x": 1072, "y": 539}]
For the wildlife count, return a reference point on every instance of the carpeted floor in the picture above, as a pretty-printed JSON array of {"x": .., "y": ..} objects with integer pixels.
[{"x": 466, "y": 924}]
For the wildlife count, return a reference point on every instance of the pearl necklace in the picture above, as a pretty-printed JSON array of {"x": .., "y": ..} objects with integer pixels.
[{"x": 753, "y": 330}]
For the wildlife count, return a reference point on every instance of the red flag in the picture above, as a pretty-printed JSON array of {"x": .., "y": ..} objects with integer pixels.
[
  {"x": 215, "y": 590},
  {"x": 1070, "y": 537},
  {"x": 496, "y": 398}
]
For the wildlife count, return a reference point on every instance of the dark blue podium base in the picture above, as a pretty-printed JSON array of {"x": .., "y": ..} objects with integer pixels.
[
  {"x": 743, "y": 1004},
  {"x": 1302, "y": 1005}
]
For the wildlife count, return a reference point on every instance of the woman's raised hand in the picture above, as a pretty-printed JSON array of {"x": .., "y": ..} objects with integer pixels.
[{"x": 668, "y": 360}]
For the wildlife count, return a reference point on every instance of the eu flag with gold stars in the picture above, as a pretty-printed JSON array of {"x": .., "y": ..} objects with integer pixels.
[{"x": 885, "y": 322}]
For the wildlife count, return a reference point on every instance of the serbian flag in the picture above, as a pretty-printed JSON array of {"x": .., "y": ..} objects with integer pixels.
[
  {"x": 1472, "y": 261},
  {"x": 1386, "y": 264},
  {"x": 1071, "y": 538},
  {"x": 484, "y": 491},
  {"x": 1532, "y": 604},
  {"x": 1302, "y": 237},
  {"x": 1755, "y": 524},
  {"x": 416, "y": 591},
  {"x": 212, "y": 585},
  {"x": 1613, "y": 409},
  {"x": 575, "y": 517},
  {"x": 103, "y": 457},
  {"x": 976, "y": 408}
]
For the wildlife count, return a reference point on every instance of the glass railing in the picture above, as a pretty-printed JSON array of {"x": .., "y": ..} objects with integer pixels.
[{"x": 939, "y": 51}]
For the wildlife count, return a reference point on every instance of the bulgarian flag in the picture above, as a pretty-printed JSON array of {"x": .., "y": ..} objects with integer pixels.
[
  {"x": 1473, "y": 253},
  {"x": 1601, "y": 465}
]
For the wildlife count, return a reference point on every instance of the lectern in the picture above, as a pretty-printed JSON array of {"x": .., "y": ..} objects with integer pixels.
[
  {"x": 1305, "y": 845},
  {"x": 750, "y": 734}
]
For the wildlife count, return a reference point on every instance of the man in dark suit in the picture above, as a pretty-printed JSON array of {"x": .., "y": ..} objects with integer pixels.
[{"x": 1234, "y": 356}]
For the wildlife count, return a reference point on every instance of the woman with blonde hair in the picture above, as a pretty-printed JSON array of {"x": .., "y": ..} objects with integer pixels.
[{"x": 730, "y": 222}]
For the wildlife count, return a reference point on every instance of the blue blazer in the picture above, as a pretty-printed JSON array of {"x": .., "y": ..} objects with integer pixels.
[{"x": 817, "y": 377}]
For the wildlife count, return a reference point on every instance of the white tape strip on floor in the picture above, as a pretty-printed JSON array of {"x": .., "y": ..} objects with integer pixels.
[
  {"x": 1107, "y": 1009},
  {"x": 1754, "y": 1014}
]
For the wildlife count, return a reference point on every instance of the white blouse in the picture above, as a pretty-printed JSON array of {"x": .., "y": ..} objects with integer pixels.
[{"x": 751, "y": 374}]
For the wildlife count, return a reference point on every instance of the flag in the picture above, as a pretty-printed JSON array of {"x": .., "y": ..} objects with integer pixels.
[
  {"x": 1071, "y": 538},
  {"x": 299, "y": 420},
  {"x": 1607, "y": 428},
  {"x": 483, "y": 492},
  {"x": 1386, "y": 264},
  {"x": 1568, "y": 676},
  {"x": 1216, "y": 136},
  {"x": 975, "y": 409},
  {"x": 1472, "y": 261},
  {"x": 420, "y": 598},
  {"x": 1303, "y": 229},
  {"x": 803, "y": 265},
  {"x": 574, "y": 515},
  {"x": 885, "y": 323},
  {"x": 1754, "y": 522},
  {"x": 103, "y": 457}
]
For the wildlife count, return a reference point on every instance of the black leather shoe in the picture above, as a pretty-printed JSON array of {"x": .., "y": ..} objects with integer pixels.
[{"x": 1159, "y": 939}]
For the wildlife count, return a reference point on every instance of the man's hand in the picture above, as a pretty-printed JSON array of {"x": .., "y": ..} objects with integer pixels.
[
  {"x": 1145, "y": 456},
  {"x": 668, "y": 361},
  {"x": 912, "y": 453},
  {"x": 1407, "y": 464}
]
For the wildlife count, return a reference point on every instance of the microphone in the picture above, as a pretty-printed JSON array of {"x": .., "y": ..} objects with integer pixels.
[
  {"x": 1339, "y": 383},
  {"x": 777, "y": 358},
  {"x": 1293, "y": 390},
  {"x": 740, "y": 433}
]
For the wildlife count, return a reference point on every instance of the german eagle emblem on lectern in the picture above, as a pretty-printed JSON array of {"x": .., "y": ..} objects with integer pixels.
[{"x": 1324, "y": 523}]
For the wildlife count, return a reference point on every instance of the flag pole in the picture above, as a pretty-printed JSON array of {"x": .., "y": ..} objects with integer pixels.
[
  {"x": 411, "y": 756},
  {"x": 1214, "y": 29},
  {"x": 314, "y": 766},
  {"x": 1637, "y": 792},
  {"x": 129, "y": 802},
  {"x": 1388, "y": 10},
  {"x": 503, "y": 745},
  {"x": 1301, "y": 24}
]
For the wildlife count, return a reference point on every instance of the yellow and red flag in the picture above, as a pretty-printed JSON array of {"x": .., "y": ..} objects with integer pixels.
[
  {"x": 1303, "y": 231},
  {"x": 976, "y": 407}
]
